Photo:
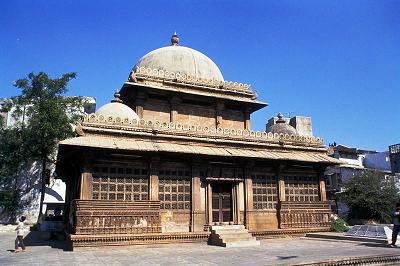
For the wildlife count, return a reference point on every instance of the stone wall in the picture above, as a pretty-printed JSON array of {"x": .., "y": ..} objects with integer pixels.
[
  {"x": 156, "y": 110},
  {"x": 197, "y": 115}
]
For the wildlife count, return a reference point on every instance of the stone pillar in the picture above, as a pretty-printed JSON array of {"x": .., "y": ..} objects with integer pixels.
[
  {"x": 281, "y": 191},
  {"x": 246, "y": 114},
  {"x": 153, "y": 178},
  {"x": 248, "y": 194},
  {"x": 85, "y": 191},
  {"x": 209, "y": 204},
  {"x": 196, "y": 200},
  {"x": 322, "y": 187},
  {"x": 140, "y": 100},
  {"x": 219, "y": 107},
  {"x": 139, "y": 108},
  {"x": 174, "y": 102},
  {"x": 236, "y": 203},
  {"x": 281, "y": 183}
]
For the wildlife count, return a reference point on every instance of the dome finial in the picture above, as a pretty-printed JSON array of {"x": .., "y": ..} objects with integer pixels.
[
  {"x": 117, "y": 98},
  {"x": 280, "y": 118},
  {"x": 174, "y": 39}
]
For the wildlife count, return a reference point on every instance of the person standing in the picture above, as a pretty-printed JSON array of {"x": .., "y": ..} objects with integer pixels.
[
  {"x": 396, "y": 224},
  {"x": 19, "y": 241}
]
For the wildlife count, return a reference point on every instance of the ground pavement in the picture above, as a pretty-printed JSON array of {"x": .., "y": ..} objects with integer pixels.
[{"x": 283, "y": 251}]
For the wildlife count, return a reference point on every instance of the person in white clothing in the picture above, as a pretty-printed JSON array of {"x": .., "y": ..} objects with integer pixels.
[{"x": 19, "y": 241}]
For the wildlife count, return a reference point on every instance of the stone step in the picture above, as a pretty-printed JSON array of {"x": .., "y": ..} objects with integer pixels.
[
  {"x": 227, "y": 234},
  {"x": 230, "y": 231},
  {"x": 231, "y": 236},
  {"x": 227, "y": 227},
  {"x": 237, "y": 239},
  {"x": 248, "y": 243}
]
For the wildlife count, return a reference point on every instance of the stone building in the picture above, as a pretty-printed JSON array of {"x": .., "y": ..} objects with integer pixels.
[
  {"x": 353, "y": 162},
  {"x": 394, "y": 155},
  {"x": 174, "y": 154}
]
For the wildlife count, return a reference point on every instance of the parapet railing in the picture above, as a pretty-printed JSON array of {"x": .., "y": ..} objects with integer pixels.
[
  {"x": 97, "y": 217},
  {"x": 201, "y": 131},
  {"x": 304, "y": 214},
  {"x": 188, "y": 79}
]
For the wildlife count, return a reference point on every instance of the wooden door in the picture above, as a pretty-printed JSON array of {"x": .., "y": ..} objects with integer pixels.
[{"x": 221, "y": 203}]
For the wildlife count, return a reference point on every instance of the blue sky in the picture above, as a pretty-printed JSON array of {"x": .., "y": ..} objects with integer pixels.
[{"x": 336, "y": 61}]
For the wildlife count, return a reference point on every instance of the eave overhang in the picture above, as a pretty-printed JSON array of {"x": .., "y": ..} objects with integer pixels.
[{"x": 199, "y": 91}]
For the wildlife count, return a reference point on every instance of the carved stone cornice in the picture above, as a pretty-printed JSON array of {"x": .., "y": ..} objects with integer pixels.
[
  {"x": 97, "y": 123},
  {"x": 148, "y": 73}
]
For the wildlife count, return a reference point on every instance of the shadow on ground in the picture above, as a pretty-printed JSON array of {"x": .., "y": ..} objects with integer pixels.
[
  {"x": 286, "y": 257},
  {"x": 37, "y": 238}
]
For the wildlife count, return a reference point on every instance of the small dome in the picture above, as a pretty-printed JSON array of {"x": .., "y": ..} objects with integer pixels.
[
  {"x": 181, "y": 59},
  {"x": 117, "y": 109},
  {"x": 282, "y": 127}
]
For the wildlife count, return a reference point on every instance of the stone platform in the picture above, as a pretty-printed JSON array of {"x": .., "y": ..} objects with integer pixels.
[{"x": 282, "y": 251}]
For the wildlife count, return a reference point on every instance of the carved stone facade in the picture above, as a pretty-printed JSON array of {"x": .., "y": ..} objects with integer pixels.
[{"x": 190, "y": 160}]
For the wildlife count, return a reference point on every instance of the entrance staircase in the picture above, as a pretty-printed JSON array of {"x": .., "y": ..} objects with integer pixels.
[{"x": 231, "y": 236}]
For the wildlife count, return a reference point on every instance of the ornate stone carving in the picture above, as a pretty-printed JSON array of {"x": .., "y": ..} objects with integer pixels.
[
  {"x": 198, "y": 130},
  {"x": 187, "y": 79},
  {"x": 304, "y": 214},
  {"x": 97, "y": 217}
]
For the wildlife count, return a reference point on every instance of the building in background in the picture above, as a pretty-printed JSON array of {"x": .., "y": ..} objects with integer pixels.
[
  {"x": 8, "y": 110},
  {"x": 353, "y": 162},
  {"x": 394, "y": 154}
]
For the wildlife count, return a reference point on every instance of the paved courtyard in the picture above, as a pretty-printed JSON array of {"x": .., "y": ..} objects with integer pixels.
[{"x": 284, "y": 251}]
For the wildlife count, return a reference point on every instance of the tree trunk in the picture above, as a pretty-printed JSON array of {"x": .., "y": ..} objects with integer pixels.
[
  {"x": 15, "y": 200},
  {"x": 42, "y": 187}
]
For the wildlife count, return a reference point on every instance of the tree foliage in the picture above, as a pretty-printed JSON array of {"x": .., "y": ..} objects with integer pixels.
[
  {"x": 47, "y": 112},
  {"x": 370, "y": 196},
  {"x": 12, "y": 161},
  {"x": 43, "y": 114}
]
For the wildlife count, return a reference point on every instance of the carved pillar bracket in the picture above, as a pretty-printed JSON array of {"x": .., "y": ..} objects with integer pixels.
[{"x": 153, "y": 178}]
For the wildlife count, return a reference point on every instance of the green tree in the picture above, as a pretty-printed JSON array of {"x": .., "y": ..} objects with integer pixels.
[
  {"x": 45, "y": 116},
  {"x": 370, "y": 195},
  {"x": 13, "y": 160}
]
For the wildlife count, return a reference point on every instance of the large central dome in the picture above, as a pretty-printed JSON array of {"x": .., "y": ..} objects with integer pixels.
[{"x": 181, "y": 59}]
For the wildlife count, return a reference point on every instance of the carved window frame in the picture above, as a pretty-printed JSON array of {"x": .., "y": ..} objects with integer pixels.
[
  {"x": 174, "y": 188},
  {"x": 301, "y": 188},
  {"x": 120, "y": 182},
  {"x": 265, "y": 190}
]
